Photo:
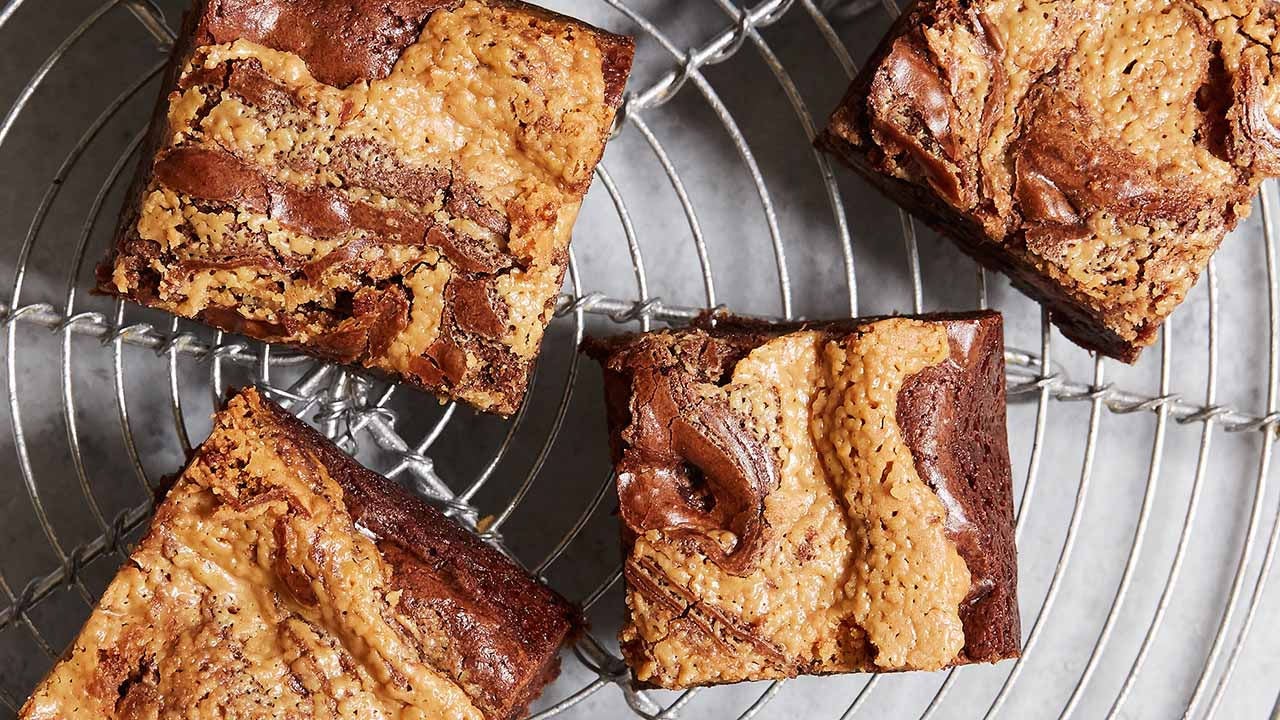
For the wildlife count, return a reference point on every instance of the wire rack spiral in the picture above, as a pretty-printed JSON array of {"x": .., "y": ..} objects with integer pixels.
[{"x": 1147, "y": 522}]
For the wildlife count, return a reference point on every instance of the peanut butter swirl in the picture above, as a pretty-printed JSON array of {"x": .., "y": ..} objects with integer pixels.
[
  {"x": 860, "y": 558},
  {"x": 908, "y": 580},
  {"x": 1096, "y": 150},
  {"x": 391, "y": 184},
  {"x": 279, "y": 580}
]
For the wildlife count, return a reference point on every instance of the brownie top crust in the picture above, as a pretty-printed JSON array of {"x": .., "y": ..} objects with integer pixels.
[
  {"x": 281, "y": 579},
  {"x": 391, "y": 183},
  {"x": 341, "y": 43},
  {"x": 812, "y": 499},
  {"x": 1096, "y": 150}
]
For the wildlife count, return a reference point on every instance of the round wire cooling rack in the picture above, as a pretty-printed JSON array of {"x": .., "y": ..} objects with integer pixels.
[{"x": 1146, "y": 519}]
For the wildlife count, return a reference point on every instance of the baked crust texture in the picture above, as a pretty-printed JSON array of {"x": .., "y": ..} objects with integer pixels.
[
  {"x": 812, "y": 499},
  {"x": 1096, "y": 151},
  {"x": 386, "y": 183},
  {"x": 280, "y": 579}
]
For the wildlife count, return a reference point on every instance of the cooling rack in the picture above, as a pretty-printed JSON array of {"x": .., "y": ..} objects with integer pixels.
[{"x": 1147, "y": 519}]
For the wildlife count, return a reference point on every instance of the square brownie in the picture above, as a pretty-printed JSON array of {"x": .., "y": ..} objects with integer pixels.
[
  {"x": 1095, "y": 151},
  {"x": 279, "y": 578},
  {"x": 812, "y": 499},
  {"x": 387, "y": 183}
]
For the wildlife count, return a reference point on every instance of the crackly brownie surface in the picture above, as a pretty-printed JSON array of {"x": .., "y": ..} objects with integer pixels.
[
  {"x": 385, "y": 182},
  {"x": 819, "y": 499},
  {"x": 1097, "y": 151},
  {"x": 279, "y": 579}
]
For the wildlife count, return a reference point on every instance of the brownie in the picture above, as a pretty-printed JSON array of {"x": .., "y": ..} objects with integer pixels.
[
  {"x": 385, "y": 183},
  {"x": 279, "y": 578},
  {"x": 812, "y": 499},
  {"x": 1095, "y": 151}
]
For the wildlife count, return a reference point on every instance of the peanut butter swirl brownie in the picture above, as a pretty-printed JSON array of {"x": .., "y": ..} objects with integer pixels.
[
  {"x": 1096, "y": 151},
  {"x": 813, "y": 499},
  {"x": 390, "y": 183},
  {"x": 280, "y": 579}
]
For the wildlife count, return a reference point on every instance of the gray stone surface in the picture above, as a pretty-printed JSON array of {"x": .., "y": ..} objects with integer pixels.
[{"x": 115, "y": 403}]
